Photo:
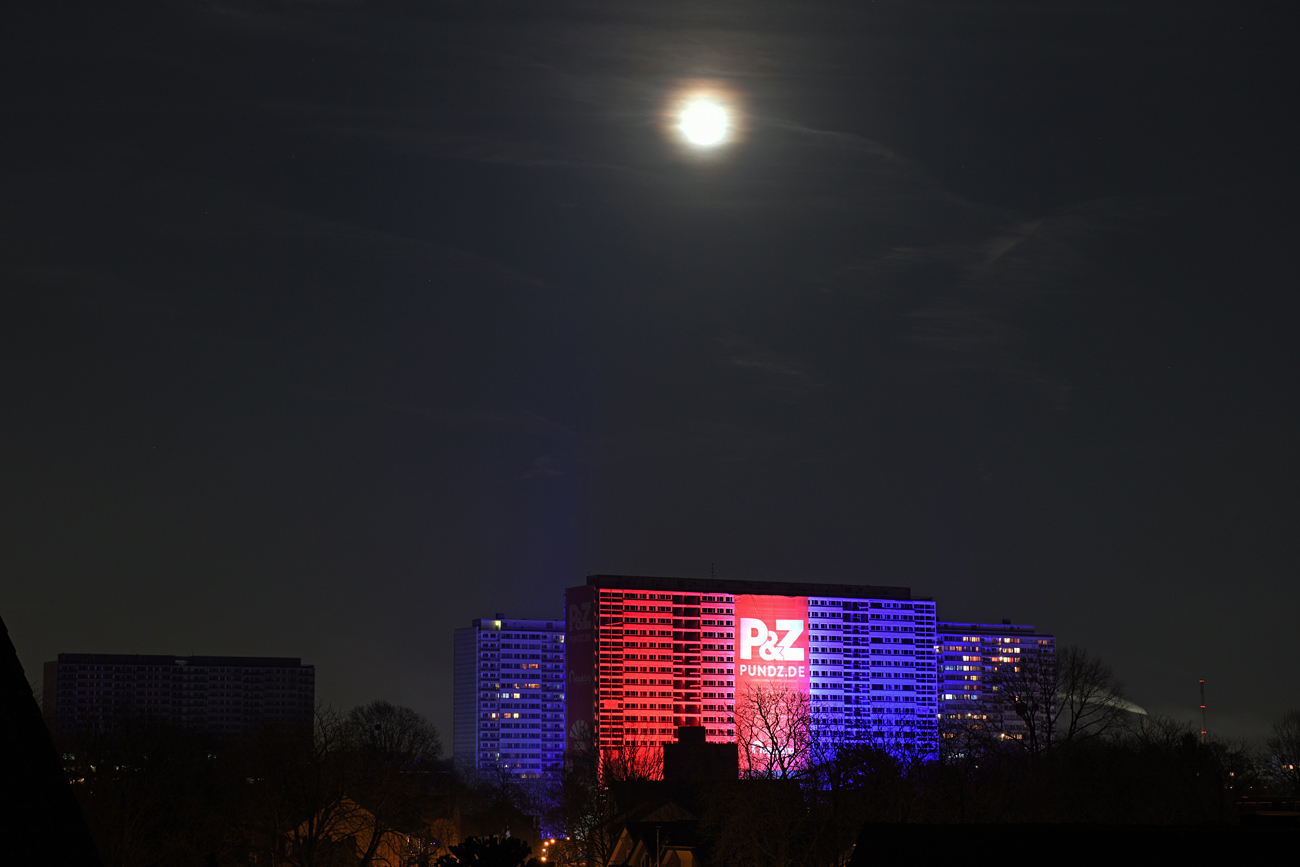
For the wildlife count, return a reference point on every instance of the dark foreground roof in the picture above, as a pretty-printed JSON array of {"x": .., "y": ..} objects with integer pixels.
[
  {"x": 1067, "y": 845},
  {"x": 45, "y": 824}
]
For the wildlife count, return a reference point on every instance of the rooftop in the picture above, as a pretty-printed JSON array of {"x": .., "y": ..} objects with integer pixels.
[{"x": 771, "y": 588}]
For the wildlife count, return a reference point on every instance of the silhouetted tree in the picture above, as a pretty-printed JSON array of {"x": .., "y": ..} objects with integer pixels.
[
  {"x": 758, "y": 821},
  {"x": 773, "y": 731},
  {"x": 582, "y": 806},
  {"x": 631, "y": 762},
  {"x": 1284, "y": 744},
  {"x": 1090, "y": 699},
  {"x": 149, "y": 792},
  {"x": 342, "y": 787},
  {"x": 400, "y": 734},
  {"x": 488, "y": 852},
  {"x": 390, "y": 750},
  {"x": 297, "y": 807},
  {"x": 966, "y": 741},
  {"x": 1059, "y": 698},
  {"x": 1024, "y": 686}
]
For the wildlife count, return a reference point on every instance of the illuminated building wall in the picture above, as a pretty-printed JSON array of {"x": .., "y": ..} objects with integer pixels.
[
  {"x": 649, "y": 654},
  {"x": 231, "y": 696},
  {"x": 644, "y": 660},
  {"x": 874, "y": 672},
  {"x": 973, "y": 656},
  {"x": 509, "y": 696}
]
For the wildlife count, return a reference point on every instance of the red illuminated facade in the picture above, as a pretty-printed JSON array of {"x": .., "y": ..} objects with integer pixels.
[{"x": 643, "y": 660}]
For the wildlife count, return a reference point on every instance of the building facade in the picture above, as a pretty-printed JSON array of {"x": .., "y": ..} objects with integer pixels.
[
  {"x": 987, "y": 669},
  {"x": 224, "y": 695},
  {"x": 647, "y": 655},
  {"x": 509, "y": 696}
]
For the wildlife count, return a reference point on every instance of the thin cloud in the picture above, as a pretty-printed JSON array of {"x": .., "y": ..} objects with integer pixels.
[
  {"x": 966, "y": 305},
  {"x": 971, "y": 320},
  {"x": 693, "y": 439},
  {"x": 514, "y": 420},
  {"x": 544, "y": 468},
  {"x": 840, "y": 140},
  {"x": 764, "y": 365}
]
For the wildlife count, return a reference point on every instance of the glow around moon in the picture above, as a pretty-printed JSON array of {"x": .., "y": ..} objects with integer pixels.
[
  {"x": 704, "y": 122},
  {"x": 703, "y": 118}
]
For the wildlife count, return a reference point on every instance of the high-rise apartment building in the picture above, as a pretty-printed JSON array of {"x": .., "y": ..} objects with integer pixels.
[
  {"x": 225, "y": 695},
  {"x": 509, "y": 696},
  {"x": 646, "y": 655},
  {"x": 984, "y": 666}
]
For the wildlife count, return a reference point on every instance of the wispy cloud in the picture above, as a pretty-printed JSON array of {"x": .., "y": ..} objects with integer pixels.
[
  {"x": 967, "y": 304},
  {"x": 764, "y": 365},
  {"x": 545, "y": 467},
  {"x": 693, "y": 439},
  {"x": 511, "y": 420},
  {"x": 768, "y": 369},
  {"x": 838, "y": 140}
]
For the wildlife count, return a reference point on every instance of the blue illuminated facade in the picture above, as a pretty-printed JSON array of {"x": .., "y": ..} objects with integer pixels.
[
  {"x": 509, "y": 696},
  {"x": 874, "y": 672}
]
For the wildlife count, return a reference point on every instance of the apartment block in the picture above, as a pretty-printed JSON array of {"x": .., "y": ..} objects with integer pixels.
[
  {"x": 224, "y": 695},
  {"x": 508, "y": 704},
  {"x": 648, "y": 655}
]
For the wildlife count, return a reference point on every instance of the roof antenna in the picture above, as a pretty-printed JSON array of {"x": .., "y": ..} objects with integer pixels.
[{"x": 1202, "y": 712}]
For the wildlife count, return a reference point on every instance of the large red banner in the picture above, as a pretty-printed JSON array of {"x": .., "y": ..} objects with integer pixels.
[
  {"x": 773, "y": 683},
  {"x": 772, "y": 643}
]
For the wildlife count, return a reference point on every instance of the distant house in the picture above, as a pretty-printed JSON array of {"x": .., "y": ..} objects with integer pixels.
[
  {"x": 501, "y": 820},
  {"x": 345, "y": 835},
  {"x": 662, "y": 835}
]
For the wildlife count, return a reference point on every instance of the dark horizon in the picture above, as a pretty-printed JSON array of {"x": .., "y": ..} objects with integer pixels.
[{"x": 331, "y": 327}]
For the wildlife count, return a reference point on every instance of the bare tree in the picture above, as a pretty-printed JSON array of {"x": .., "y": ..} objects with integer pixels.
[
  {"x": 900, "y": 737},
  {"x": 399, "y": 733},
  {"x": 578, "y": 798},
  {"x": 388, "y": 746},
  {"x": 341, "y": 788},
  {"x": 813, "y": 781},
  {"x": 1024, "y": 688},
  {"x": 297, "y": 805},
  {"x": 582, "y": 807},
  {"x": 1056, "y": 698},
  {"x": 852, "y": 777},
  {"x": 631, "y": 762},
  {"x": 1091, "y": 700},
  {"x": 967, "y": 742},
  {"x": 488, "y": 852},
  {"x": 774, "y": 731},
  {"x": 1284, "y": 744},
  {"x": 762, "y": 821},
  {"x": 144, "y": 788}
]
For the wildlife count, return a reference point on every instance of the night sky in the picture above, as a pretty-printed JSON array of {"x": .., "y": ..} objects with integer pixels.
[{"x": 328, "y": 327}]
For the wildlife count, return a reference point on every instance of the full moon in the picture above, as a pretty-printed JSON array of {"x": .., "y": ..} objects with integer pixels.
[
  {"x": 702, "y": 119},
  {"x": 704, "y": 122}
]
